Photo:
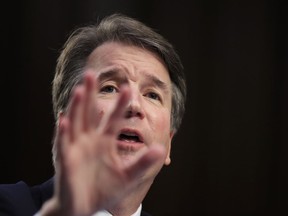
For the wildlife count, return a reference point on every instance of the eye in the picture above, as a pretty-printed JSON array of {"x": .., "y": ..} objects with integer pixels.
[
  {"x": 109, "y": 89},
  {"x": 153, "y": 96}
]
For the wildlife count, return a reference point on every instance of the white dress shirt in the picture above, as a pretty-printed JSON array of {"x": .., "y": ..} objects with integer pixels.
[{"x": 106, "y": 213}]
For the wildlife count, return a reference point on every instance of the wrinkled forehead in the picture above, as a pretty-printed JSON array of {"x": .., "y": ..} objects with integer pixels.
[{"x": 122, "y": 59}]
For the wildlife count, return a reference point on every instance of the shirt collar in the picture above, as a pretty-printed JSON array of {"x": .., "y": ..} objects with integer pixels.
[{"x": 106, "y": 213}]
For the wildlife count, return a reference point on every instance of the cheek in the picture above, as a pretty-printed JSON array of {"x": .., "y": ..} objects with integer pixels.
[{"x": 161, "y": 124}]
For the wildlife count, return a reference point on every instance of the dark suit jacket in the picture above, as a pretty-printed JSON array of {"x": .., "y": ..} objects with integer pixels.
[{"x": 19, "y": 199}]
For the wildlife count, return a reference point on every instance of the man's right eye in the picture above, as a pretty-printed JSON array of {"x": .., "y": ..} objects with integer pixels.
[{"x": 109, "y": 89}]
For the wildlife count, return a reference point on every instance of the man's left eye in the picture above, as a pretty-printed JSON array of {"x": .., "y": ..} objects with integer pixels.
[{"x": 153, "y": 96}]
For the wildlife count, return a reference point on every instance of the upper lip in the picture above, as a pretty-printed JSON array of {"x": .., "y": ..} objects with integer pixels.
[{"x": 131, "y": 132}]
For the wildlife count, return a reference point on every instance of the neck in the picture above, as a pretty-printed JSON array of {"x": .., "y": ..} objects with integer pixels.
[{"x": 129, "y": 204}]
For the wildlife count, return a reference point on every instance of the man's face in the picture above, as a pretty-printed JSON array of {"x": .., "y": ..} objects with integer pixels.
[{"x": 147, "y": 121}]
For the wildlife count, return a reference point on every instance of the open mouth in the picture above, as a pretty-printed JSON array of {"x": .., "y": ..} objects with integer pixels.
[{"x": 130, "y": 136}]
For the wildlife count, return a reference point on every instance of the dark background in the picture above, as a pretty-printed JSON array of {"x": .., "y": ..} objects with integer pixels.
[{"x": 230, "y": 156}]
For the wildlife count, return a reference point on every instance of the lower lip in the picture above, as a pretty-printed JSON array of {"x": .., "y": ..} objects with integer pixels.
[{"x": 129, "y": 146}]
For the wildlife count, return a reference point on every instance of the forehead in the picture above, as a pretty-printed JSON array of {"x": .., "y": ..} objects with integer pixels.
[{"x": 133, "y": 60}]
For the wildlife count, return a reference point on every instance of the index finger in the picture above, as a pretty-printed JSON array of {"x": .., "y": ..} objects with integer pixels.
[{"x": 113, "y": 121}]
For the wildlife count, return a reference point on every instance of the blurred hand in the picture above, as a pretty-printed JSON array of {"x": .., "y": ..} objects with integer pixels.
[{"x": 90, "y": 174}]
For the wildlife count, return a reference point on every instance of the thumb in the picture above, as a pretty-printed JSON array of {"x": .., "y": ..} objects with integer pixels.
[{"x": 145, "y": 159}]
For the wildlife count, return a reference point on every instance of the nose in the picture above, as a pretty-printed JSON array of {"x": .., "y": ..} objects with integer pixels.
[{"x": 134, "y": 108}]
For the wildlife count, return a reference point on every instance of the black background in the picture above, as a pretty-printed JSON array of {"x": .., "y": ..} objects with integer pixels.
[{"x": 230, "y": 156}]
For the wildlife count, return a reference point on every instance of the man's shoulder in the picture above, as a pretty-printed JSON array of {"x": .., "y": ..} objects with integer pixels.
[
  {"x": 13, "y": 188},
  {"x": 22, "y": 199}
]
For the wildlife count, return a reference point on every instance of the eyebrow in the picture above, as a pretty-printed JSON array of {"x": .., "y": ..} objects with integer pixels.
[
  {"x": 115, "y": 74},
  {"x": 157, "y": 82}
]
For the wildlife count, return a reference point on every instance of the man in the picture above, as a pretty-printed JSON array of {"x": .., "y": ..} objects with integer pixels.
[{"x": 118, "y": 98}]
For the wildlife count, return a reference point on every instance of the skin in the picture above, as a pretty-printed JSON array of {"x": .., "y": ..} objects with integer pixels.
[{"x": 126, "y": 93}]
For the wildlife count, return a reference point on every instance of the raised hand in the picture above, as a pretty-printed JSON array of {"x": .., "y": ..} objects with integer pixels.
[{"x": 90, "y": 174}]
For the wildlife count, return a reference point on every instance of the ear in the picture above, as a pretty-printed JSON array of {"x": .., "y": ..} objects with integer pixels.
[
  {"x": 168, "y": 158},
  {"x": 60, "y": 115}
]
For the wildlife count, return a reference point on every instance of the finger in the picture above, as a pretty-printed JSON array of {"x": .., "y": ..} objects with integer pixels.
[
  {"x": 113, "y": 120},
  {"x": 61, "y": 142},
  {"x": 145, "y": 160},
  {"x": 75, "y": 112},
  {"x": 89, "y": 104}
]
